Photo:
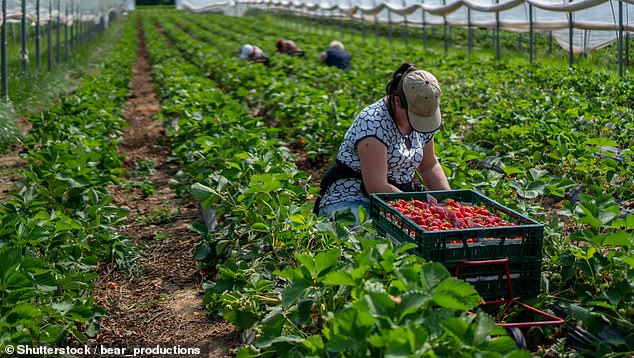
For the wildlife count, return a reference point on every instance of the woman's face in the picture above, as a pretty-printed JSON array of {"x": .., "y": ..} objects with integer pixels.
[{"x": 401, "y": 114}]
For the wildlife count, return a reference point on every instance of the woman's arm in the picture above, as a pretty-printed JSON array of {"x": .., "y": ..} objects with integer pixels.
[
  {"x": 431, "y": 171},
  {"x": 373, "y": 157}
]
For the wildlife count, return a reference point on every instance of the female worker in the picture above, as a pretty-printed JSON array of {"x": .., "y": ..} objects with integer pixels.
[{"x": 387, "y": 142}]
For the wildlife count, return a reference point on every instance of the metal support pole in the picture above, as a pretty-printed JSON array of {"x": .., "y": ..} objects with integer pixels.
[
  {"x": 49, "y": 29},
  {"x": 620, "y": 38},
  {"x": 389, "y": 26},
  {"x": 570, "y": 39},
  {"x": 72, "y": 26},
  {"x": 376, "y": 25},
  {"x": 24, "y": 56},
  {"x": 470, "y": 32},
  {"x": 58, "y": 49},
  {"x": 66, "y": 33},
  {"x": 5, "y": 80},
  {"x": 626, "y": 61},
  {"x": 404, "y": 29},
  {"x": 497, "y": 33},
  {"x": 364, "y": 26},
  {"x": 530, "y": 34},
  {"x": 341, "y": 26},
  {"x": 445, "y": 30},
  {"x": 76, "y": 25},
  {"x": 37, "y": 34},
  {"x": 444, "y": 34},
  {"x": 351, "y": 21},
  {"x": 550, "y": 42},
  {"x": 424, "y": 27}
]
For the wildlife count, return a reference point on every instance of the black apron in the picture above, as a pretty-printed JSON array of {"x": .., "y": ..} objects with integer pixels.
[{"x": 342, "y": 171}]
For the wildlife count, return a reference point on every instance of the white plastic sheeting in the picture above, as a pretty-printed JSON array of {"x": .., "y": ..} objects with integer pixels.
[
  {"x": 68, "y": 11},
  {"x": 595, "y": 23}
]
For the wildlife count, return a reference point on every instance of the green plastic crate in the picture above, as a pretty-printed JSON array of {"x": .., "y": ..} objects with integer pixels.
[{"x": 521, "y": 244}]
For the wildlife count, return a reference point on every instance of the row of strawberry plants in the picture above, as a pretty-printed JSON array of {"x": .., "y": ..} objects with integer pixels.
[
  {"x": 294, "y": 100},
  {"x": 62, "y": 223},
  {"x": 604, "y": 178},
  {"x": 304, "y": 285}
]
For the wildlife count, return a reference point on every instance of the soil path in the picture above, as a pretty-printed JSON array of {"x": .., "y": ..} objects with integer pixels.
[{"x": 161, "y": 304}]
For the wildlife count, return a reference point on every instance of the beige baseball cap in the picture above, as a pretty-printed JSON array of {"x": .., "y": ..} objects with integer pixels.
[{"x": 422, "y": 91}]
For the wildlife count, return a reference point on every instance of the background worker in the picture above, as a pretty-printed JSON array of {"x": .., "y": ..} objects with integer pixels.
[
  {"x": 253, "y": 54},
  {"x": 288, "y": 47},
  {"x": 336, "y": 56}
]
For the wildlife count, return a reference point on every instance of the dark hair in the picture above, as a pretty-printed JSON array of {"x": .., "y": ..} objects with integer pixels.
[
  {"x": 279, "y": 44},
  {"x": 395, "y": 86}
]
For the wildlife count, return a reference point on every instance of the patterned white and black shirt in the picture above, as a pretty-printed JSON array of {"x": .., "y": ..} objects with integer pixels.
[{"x": 375, "y": 121}]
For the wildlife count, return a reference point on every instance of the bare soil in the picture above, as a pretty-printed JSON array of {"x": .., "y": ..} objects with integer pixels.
[
  {"x": 10, "y": 164},
  {"x": 161, "y": 304}
]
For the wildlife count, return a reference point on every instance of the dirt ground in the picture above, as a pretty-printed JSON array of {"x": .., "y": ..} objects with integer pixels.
[{"x": 162, "y": 304}]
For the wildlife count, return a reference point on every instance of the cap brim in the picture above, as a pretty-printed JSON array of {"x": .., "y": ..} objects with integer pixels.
[
  {"x": 425, "y": 124},
  {"x": 243, "y": 56}
]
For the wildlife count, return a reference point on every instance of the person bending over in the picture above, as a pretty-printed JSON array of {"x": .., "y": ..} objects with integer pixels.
[
  {"x": 388, "y": 141},
  {"x": 288, "y": 47},
  {"x": 336, "y": 56},
  {"x": 253, "y": 53}
]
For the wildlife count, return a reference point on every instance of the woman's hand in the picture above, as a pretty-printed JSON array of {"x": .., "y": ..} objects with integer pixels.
[{"x": 431, "y": 170}]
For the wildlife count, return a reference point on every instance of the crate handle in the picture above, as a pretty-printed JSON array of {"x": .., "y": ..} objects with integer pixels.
[{"x": 503, "y": 261}]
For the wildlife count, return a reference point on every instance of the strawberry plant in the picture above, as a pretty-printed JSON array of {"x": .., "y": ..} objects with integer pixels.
[{"x": 530, "y": 137}]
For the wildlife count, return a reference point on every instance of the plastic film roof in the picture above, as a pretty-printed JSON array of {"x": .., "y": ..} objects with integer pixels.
[
  {"x": 67, "y": 11},
  {"x": 595, "y": 23}
]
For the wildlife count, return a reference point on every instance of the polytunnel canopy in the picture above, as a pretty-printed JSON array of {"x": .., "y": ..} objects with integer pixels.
[
  {"x": 594, "y": 23},
  {"x": 66, "y": 10}
]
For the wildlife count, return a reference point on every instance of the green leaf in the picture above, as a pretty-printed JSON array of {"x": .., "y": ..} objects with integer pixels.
[
  {"x": 602, "y": 141},
  {"x": 483, "y": 326},
  {"x": 298, "y": 219},
  {"x": 326, "y": 260},
  {"x": 455, "y": 294},
  {"x": 263, "y": 183},
  {"x": 260, "y": 227},
  {"x": 201, "y": 192},
  {"x": 592, "y": 221},
  {"x": 380, "y": 304},
  {"x": 65, "y": 226},
  {"x": 411, "y": 303},
  {"x": 46, "y": 282},
  {"x": 81, "y": 313},
  {"x": 606, "y": 216},
  {"x": 307, "y": 261},
  {"x": 458, "y": 328},
  {"x": 339, "y": 278},
  {"x": 290, "y": 338},
  {"x": 10, "y": 257},
  {"x": 629, "y": 260},
  {"x": 513, "y": 170},
  {"x": 619, "y": 238},
  {"x": 504, "y": 345},
  {"x": 242, "y": 319},
  {"x": 62, "y": 307},
  {"x": 537, "y": 174},
  {"x": 294, "y": 292},
  {"x": 433, "y": 274}
]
